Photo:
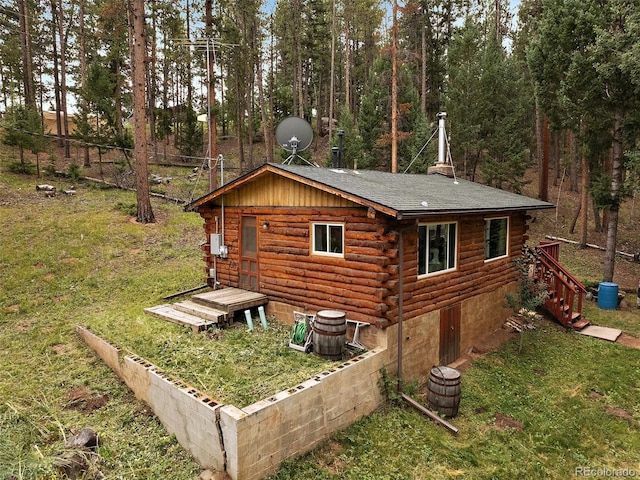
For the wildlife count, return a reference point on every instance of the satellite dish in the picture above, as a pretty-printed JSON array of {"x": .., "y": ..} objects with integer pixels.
[{"x": 294, "y": 134}]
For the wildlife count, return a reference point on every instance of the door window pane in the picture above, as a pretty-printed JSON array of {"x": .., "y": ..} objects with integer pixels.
[{"x": 249, "y": 237}]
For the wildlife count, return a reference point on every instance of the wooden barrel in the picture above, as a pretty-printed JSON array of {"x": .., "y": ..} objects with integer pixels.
[
  {"x": 443, "y": 390},
  {"x": 330, "y": 334}
]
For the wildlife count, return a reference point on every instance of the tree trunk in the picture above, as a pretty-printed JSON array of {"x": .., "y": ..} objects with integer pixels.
[
  {"x": 56, "y": 71},
  {"x": 584, "y": 200},
  {"x": 27, "y": 58},
  {"x": 423, "y": 79},
  {"x": 117, "y": 96},
  {"x": 574, "y": 221},
  {"x": 596, "y": 218},
  {"x": 574, "y": 164},
  {"x": 543, "y": 154},
  {"x": 347, "y": 68},
  {"x": 616, "y": 183},
  {"x": 267, "y": 127},
  {"x": 332, "y": 82},
  {"x": 83, "y": 65},
  {"x": 299, "y": 76},
  {"x": 152, "y": 87},
  {"x": 249, "y": 84},
  {"x": 211, "y": 98},
  {"x": 63, "y": 81},
  {"x": 165, "y": 91},
  {"x": 138, "y": 57},
  {"x": 394, "y": 92},
  {"x": 239, "y": 123},
  {"x": 555, "y": 155}
]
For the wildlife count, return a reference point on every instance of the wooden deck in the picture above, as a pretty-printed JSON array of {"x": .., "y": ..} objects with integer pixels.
[
  {"x": 209, "y": 308},
  {"x": 230, "y": 299}
]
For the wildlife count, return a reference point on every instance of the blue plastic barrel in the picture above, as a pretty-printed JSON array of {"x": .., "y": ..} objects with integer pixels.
[{"x": 608, "y": 296}]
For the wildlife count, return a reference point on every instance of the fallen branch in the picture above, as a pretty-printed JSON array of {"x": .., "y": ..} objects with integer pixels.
[
  {"x": 635, "y": 257},
  {"x": 430, "y": 414},
  {"x": 114, "y": 185}
]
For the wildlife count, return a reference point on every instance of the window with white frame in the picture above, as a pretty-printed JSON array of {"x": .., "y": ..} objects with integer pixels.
[
  {"x": 496, "y": 237},
  {"x": 436, "y": 248},
  {"x": 328, "y": 239}
]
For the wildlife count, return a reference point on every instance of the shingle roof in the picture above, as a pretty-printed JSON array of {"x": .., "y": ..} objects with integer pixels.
[{"x": 403, "y": 195}]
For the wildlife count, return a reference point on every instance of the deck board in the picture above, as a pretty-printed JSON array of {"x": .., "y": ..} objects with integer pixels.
[
  {"x": 231, "y": 299},
  {"x": 167, "y": 312}
]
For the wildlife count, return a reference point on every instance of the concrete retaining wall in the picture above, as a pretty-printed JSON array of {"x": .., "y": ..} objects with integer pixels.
[
  {"x": 184, "y": 411},
  {"x": 293, "y": 422},
  {"x": 251, "y": 443}
]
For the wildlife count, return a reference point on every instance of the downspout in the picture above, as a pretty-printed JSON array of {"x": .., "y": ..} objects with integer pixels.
[
  {"x": 400, "y": 304},
  {"x": 405, "y": 397}
]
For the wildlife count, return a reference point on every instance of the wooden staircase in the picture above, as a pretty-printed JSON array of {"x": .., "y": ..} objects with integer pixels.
[
  {"x": 215, "y": 307},
  {"x": 566, "y": 293}
]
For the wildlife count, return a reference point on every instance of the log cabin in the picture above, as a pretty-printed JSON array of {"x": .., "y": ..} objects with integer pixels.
[{"x": 428, "y": 256}]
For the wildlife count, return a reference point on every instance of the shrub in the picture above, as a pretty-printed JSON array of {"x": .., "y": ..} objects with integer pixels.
[
  {"x": 531, "y": 293},
  {"x": 26, "y": 168},
  {"x": 74, "y": 172}
]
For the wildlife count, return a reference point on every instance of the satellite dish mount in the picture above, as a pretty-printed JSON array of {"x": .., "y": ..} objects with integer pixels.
[{"x": 294, "y": 134}]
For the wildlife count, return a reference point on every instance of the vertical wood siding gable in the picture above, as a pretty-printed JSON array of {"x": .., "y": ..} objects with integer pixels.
[{"x": 276, "y": 191}]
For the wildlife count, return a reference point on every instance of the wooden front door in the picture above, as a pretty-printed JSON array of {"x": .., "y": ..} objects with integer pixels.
[
  {"x": 249, "y": 254},
  {"x": 450, "y": 334}
]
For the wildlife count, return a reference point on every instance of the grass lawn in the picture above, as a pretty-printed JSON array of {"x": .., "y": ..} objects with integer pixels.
[{"x": 563, "y": 401}]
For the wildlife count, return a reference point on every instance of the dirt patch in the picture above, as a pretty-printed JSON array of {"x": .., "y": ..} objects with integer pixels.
[
  {"x": 506, "y": 422},
  {"x": 84, "y": 400},
  {"x": 69, "y": 260},
  {"x": 628, "y": 341},
  {"x": 12, "y": 308},
  {"x": 25, "y": 325},
  {"x": 620, "y": 413},
  {"x": 483, "y": 346},
  {"x": 492, "y": 342},
  {"x": 330, "y": 460},
  {"x": 594, "y": 394},
  {"x": 61, "y": 349}
]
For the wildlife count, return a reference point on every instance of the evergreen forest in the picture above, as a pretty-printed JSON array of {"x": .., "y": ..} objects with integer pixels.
[{"x": 550, "y": 84}]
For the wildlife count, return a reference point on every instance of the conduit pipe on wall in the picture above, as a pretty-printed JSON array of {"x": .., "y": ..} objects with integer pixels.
[{"x": 400, "y": 304}]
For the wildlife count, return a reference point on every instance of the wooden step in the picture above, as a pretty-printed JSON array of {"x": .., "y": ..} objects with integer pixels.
[
  {"x": 167, "y": 312},
  {"x": 580, "y": 324},
  {"x": 200, "y": 310}
]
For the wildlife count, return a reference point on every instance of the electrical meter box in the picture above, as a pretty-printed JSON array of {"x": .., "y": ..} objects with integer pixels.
[{"x": 215, "y": 242}]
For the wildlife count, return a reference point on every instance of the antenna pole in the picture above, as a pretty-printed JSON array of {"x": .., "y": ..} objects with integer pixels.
[{"x": 394, "y": 91}]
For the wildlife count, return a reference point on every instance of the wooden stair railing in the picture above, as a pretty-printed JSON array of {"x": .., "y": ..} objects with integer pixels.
[{"x": 566, "y": 293}]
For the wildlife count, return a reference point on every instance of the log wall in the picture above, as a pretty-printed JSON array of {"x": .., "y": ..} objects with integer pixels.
[
  {"x": 289, "y": 272},
  {"x": 364, "y": 283}
]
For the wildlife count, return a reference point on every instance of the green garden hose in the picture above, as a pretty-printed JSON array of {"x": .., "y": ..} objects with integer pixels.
[{"x": 299, "y": 333}]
